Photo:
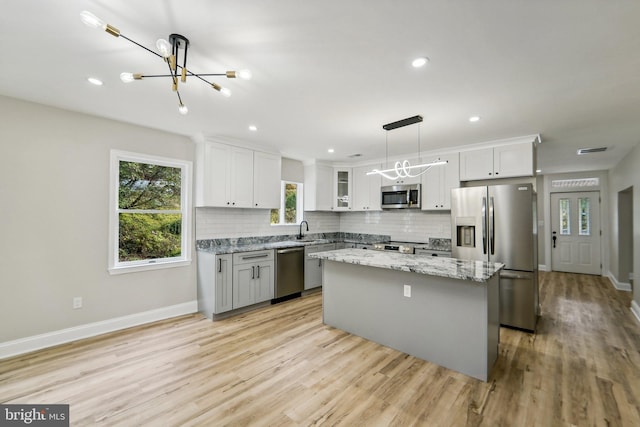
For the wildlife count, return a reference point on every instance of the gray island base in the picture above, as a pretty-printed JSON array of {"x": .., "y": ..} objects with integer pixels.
[{"x": 442, "y": 310}]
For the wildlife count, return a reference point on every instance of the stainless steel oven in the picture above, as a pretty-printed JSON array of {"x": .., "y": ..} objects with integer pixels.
[{"x": 401, "y": 196}]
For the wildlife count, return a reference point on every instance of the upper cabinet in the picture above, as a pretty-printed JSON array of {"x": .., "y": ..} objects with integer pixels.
[
  {"x": 229, "y": 176},
  {"x": 342, "y": 189},
  {"x": 318, "y": 187},
  {"x": 503, "y": 161},
  {"x": 266, "y": 180},
  {"x": 438, "y": 181},
  {"x": 366, "y": 189},
  {"x": 399, "y": 181}
]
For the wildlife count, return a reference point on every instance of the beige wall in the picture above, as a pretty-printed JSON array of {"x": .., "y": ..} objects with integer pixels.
[
  {"x": 626, "y": 174},
  {"x": 54, "y": 201}
]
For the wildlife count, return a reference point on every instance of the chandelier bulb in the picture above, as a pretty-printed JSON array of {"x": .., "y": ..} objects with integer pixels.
[
  {"x": 225, "y": 91},
  {"x": 244, "y": 74},
  {"x": 164, "y": 47},
  {"x": 91, "y": 20},
  {"x": 126, "y": 77},
  {"x": 183, "y": 109}
]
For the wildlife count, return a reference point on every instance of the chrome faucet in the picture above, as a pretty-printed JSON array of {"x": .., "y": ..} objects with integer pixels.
[{"x": 300, "y": 236}]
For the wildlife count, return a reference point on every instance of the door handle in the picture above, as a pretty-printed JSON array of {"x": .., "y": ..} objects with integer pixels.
[
  {"x": 554, "y": 239},
  {"x": 492, "y": 228},
  {"x": 484, "y": 225}
]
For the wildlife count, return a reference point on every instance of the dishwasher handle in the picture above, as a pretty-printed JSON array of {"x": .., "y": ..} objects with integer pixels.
[{"x": 289, "y": 250}]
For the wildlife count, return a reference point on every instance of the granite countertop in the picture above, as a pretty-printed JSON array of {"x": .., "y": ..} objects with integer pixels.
[
  {"x": 261, "y": 243},
  {"x": 476, "y": 271}
]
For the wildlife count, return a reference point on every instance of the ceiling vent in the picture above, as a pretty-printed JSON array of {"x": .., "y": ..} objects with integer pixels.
[{"x": 591, "y": 150}]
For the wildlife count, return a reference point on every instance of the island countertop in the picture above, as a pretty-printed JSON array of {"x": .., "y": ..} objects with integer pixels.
[{"x": 476, "y": 271}]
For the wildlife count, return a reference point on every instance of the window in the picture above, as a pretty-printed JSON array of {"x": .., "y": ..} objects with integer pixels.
[
  {"x": 565, "y": 217},
  {"x": 150, "y": 215},
  {"x": 584, "y": 204},
  {"x": 291, "y": 208}
]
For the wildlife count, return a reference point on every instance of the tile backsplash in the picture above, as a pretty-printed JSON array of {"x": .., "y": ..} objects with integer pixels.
[{"x": 402, "y": 224}]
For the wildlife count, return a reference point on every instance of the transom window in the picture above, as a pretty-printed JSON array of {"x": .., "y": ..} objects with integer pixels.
[{"x": 150, "y": 219}]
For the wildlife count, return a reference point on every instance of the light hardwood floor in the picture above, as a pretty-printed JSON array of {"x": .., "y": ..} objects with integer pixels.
[{"x": 280, "y": 366}]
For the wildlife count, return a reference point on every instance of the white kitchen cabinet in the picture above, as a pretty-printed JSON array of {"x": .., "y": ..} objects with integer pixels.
[
  {"x": 253, "y": 277},
  {"x": 266, "y": 180},
  {"x": 503, "y": 161},
  {"x": 318, "y": 187},
  {"x": 215, "y": 286},
  {"x": 342, "y": 189},
  {"x": 312, "y": 266},
  {"x": 366, "y": 189},
  {"x": 399, "y": 181},
  {"x": 438, "y": 181},
  {"x": 228, "y": 176}
]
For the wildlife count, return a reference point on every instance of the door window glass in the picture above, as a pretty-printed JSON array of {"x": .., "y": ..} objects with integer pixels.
[
  {"x": 584, "y": 206},
  {"x": 565, "y": 217}
]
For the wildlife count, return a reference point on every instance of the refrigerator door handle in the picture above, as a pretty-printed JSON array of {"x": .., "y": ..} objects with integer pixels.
[
  {"x": 492, "y": 228},
  {"x": 484, "y": 225}
]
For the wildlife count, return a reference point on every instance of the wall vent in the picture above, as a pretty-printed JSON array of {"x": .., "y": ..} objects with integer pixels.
[
  {"x": 573, "y": 183},
  {"x": 591, "y": 150}
]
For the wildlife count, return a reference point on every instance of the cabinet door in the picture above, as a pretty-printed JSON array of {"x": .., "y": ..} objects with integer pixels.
[
  {"x": 264, "y": 281},
  {"x": 438, "y": 181},
  {"x": 366, "y": 189},
  {"x": 217, "y": 182},
  {"x": 342, "y": 189},
  {"x": 243, "y": 287},
  {"x": 312, "y": 273},
  {"x": 241, "y": 178},
  {"x": 513, "y": 160},
  {"x": 266, "y": 180},
  {"x": 224, "y": 284},
  {"x": 476, "y": 164}
]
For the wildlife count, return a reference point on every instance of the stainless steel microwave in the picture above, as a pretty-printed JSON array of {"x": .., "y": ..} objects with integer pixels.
[{"x": 401, "y": 196}]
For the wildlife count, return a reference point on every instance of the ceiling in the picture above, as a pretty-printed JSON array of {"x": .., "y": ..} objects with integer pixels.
[{"x": 329, "y": 74}]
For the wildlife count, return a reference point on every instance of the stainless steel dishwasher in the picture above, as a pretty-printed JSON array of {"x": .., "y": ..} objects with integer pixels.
[{"x": 289, "y": 272}]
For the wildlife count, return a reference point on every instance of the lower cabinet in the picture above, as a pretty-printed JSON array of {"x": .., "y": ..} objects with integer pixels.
[
  {"x": 215, "y": 287},
  {"x": 312, "y": 266},
  {"x": 253, "y": 278}
]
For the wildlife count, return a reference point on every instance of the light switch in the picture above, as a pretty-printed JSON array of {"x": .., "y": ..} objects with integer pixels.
[{"x": 407, "y": 291}]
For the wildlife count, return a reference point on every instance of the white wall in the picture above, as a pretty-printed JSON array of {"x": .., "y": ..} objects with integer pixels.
[
  {"x": 624, "y": 175},
  {"x": 54, "y": 201}
]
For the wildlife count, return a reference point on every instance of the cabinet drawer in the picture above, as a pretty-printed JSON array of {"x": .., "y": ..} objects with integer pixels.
[{"x": 252, "y": 257}]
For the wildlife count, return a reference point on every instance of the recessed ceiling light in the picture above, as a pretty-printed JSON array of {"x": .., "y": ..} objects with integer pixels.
[
  {"x": 331, "y": 150},
  {"x": 95, "y": 81},
  {"x": 474, "y": 119},
  {"x": 420, "y": 62},
  {"x": 253, "y": 128}
]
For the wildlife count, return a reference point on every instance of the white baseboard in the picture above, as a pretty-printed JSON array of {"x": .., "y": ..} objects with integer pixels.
[
  {"x": 542, "y": 267},
  {"x": 621, "y": 286},
  {"x": 635, "y": 309},
  {"x": 49, "y": 339}
]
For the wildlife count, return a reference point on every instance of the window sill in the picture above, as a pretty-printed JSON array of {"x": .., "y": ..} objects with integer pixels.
[{"x": 149, "y": 266}]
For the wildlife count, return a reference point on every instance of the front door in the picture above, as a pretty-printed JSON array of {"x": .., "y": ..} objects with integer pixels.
[{"x": 575, "y": 232}]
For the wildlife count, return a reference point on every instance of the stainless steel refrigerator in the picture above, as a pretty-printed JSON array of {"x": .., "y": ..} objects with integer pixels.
[{"x": 498, "y": 223}]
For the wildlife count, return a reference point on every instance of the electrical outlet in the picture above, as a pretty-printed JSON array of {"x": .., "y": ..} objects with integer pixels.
[
  {"x": 77, "y": 302},
  {"x": 407, "y": 291}
]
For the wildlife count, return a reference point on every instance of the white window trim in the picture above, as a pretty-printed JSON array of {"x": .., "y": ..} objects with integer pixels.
[
  {"x": 116, "y": 267},
  {"x": 299, "y": 203}
]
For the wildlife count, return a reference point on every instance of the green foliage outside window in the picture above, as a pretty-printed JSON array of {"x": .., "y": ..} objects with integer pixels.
[
  {"x": 150, "y": 219},
  {"x": 289, "y": 204}
]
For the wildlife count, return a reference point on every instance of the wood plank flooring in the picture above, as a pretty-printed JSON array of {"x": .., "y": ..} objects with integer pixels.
[{"x": 280, "y": 366}]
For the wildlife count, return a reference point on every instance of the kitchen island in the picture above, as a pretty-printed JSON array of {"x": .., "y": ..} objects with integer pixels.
[{"x": 442, "y": 310}]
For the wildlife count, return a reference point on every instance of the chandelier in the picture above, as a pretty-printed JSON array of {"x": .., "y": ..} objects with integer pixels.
[
  {"x": 170, "y": 53},
  {"x": 404, "y": 169}
]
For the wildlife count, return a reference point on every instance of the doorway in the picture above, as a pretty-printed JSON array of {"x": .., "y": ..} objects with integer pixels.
[
  {"x": 625, "y": 236},
  {"x": 575, "y": 232}
]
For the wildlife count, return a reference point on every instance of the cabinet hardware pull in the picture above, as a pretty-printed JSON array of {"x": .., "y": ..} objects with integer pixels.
[
  {"x": 255, "y": 256},
  {"x": 319, "y": 263},
  {"x": 253, "y": 272},
  {"x": 258, "y": 276},
  {"x": 219, "y": 265}
]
